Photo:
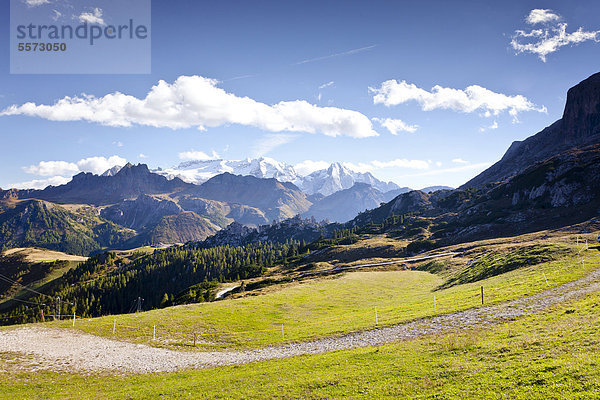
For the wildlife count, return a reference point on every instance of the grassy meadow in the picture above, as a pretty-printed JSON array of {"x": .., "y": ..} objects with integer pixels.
[
  {"x": 551, "y": 355},
  {"x": 333, "y": 305}
]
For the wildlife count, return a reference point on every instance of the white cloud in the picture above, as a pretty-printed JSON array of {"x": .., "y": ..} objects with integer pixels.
[
  {"x": 142, "y": 155},
  {"x": 396, "y": 125},
  {"x": 50, "y": 168},
  {"x": 198, "y": 155},
  {"x": 118, "y": 144},
  {"x": 323, "y": 86},
  {"x": 471, "y": 99},
  {"x": 459, "y": 161},
  {"x": 307, "y": 167},
  {"x": 551, "y": 37},
  {"x": 96, "y": 165},
  {"x": 35, "y": 3},
  {"x": 195, "y": 101},
  {"x": 41, "y": 183},
  {"x": 94, "y": 17},
  {"x": 541, "y": 16},
  {"x": 269, "y": 142},
  {"x": 402, "y": 163},
  {"x": 57, "y": 14},
  {"x": 491, "y": 127}
]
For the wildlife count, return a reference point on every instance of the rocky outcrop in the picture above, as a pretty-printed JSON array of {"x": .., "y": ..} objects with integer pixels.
[
  {"x": 410, "y": 202},
  {"x": 579, "y": 127},
  {"x": 570, "y": 179}
]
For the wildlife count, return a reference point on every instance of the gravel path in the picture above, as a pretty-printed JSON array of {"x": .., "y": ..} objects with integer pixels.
[{"x": 62, "y": 350}]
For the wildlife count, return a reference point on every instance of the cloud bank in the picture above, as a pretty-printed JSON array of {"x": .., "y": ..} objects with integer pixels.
[
  {"x": 473, "y": 98},
  {"x": 96, "y": 165},
  {"x": 195, "y": 101},
  {"x": 60, "y": 172}
]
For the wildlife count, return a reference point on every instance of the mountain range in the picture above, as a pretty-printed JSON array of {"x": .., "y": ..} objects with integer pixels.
[
  {"x": 132, "y": 206},
  {"x": 547, "y": 180},
  {"x": 326, "y": 181}
]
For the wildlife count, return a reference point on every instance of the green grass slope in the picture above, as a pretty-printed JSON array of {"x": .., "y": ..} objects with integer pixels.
[
  {"x": 335, "y": 305},
  {"x": 552, "y": 355}
]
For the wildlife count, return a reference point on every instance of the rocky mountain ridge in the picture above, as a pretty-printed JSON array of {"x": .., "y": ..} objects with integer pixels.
[{"x": 579, "y": 127}]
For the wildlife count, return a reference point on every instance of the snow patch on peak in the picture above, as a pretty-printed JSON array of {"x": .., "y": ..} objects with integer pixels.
[
  {"x": 327, "y": 181},
  {"x": 338, "y": 177},
  {"x": 199, "y": 171},
  {"x": 112, "y": 171}
]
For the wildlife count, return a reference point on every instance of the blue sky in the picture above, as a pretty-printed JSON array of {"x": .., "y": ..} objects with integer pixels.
[{"x": 309, "y": 83}]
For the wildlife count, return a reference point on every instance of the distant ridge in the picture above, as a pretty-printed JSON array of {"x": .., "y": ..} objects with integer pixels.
[
  {"x": 326, "y": 181},
  {"x": 86, "y": 188}
]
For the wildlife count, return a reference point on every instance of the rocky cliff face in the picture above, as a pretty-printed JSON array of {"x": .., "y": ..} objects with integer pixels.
[
  {"x": 581, "y": 118},
  {"x": 570, "y": 179},
  {"x": 579, "y": 127}
]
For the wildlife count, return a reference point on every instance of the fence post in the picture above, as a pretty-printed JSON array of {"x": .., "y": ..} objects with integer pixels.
[
  {"x": 73, "y": 319},
  {"x": 481, "y": 295},
  {"x": 114, "y": 325},
  {"x": 154, "y": 333},
  {"x": 546, "y": 279}
]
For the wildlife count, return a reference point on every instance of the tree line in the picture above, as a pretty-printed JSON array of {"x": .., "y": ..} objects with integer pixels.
[{"x": 110, "y": 283}]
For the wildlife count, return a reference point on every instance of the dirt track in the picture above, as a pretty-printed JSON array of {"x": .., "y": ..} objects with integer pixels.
[{"x": 60, "y": 350}]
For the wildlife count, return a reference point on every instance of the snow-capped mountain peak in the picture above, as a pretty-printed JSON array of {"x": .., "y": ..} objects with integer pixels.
[
  {"x": 199, "y": 171},
  {"x": 339, "y": 177},
  {"x": 327, "y": 181}
]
